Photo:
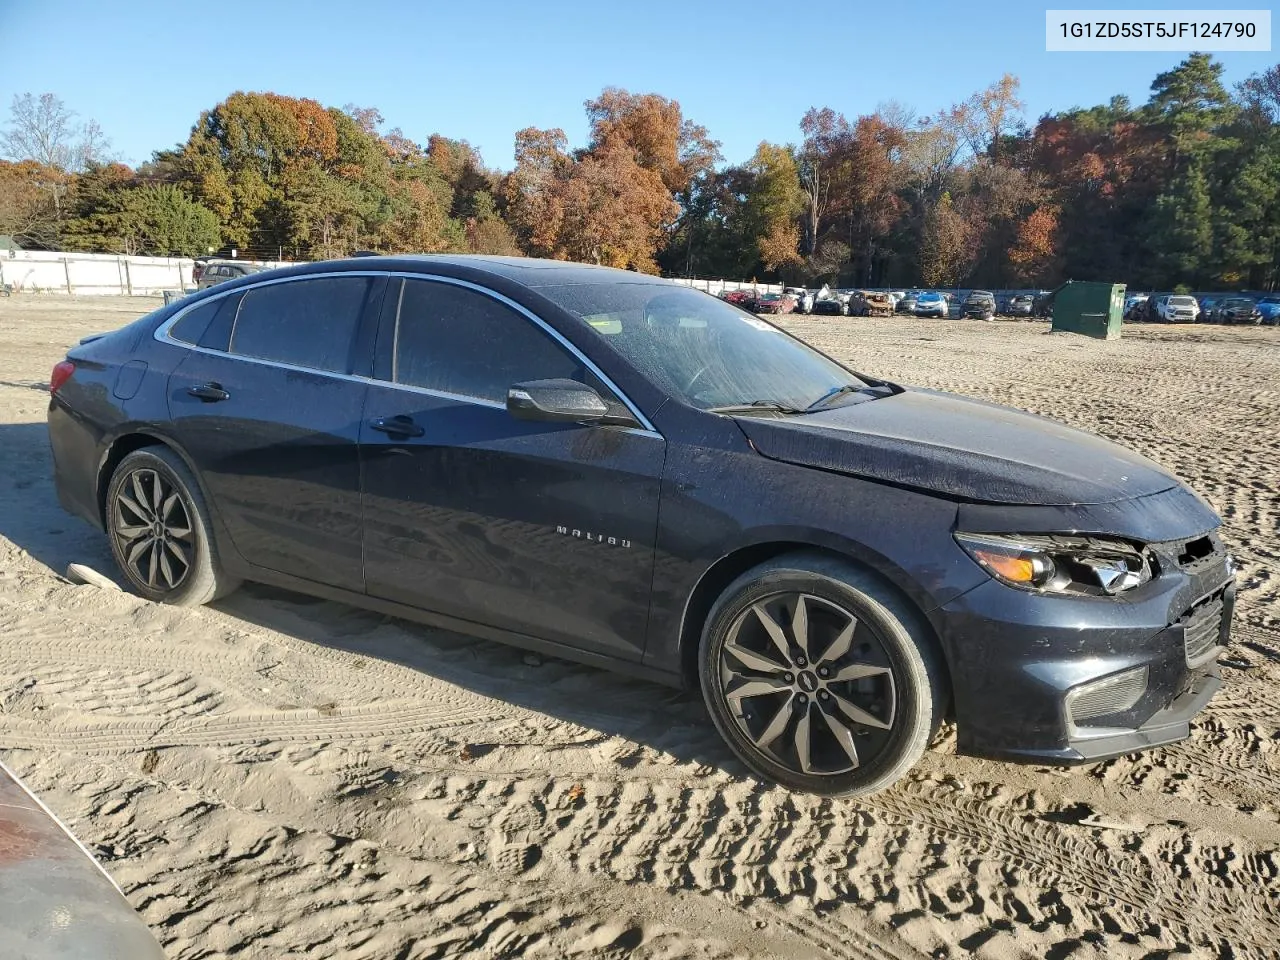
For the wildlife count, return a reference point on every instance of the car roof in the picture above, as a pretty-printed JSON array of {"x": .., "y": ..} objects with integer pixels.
[
  {"x": 497, "y": 272},
  {"x": 527, "y": 271}
]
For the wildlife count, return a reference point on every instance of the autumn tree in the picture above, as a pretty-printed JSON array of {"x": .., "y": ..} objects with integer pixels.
[
  {"x": 615, "y": 212},
  {"x": 27, "y": 202},
  {"x": 874, "y": 207},
  {"x": 1033, "y": 254},
  {"x": 824, "y": 166},
  {"x": 945, "y": 241},
  {"x": 534, "y": 190},
  {"x": 990, "y": 116}
]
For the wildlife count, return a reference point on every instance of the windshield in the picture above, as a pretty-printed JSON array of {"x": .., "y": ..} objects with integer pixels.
[
  {"x": 929, "y": 297},
  {"x": 700, "y": 350},
  {"x": 1182, "y": 301}
]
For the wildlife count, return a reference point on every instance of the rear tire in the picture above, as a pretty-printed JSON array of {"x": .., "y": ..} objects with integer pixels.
[
  {"x": 160, "y": 533},
  {"x": 819, "y": 677}
]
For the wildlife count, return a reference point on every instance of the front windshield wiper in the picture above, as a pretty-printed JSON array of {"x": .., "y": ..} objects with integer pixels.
[
  {"x": 755, "y": 406},
  {"x": 835, "y": 392}
]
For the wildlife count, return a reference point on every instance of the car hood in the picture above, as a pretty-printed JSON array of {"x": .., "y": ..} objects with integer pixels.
[{"x": 961, "y": 448}]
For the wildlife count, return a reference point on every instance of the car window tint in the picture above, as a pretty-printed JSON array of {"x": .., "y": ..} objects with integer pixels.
[
  {"x": 309, "y": 323},
  {"x": 192, "y": 325},
  {"x": 218, "y": 334},
  {"x": 457, "y": 340}
]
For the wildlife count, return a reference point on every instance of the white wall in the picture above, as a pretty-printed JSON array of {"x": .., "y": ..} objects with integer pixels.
[
  {"x": 719, "y": 286},
  {"x": 46, "y": 271}
]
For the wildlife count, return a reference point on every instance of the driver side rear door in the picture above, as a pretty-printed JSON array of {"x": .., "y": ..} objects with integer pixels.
[{"x": 543, "y": 529}]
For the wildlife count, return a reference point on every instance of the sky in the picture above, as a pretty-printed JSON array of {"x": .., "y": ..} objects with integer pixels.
[{"x": 480, "y": 71}]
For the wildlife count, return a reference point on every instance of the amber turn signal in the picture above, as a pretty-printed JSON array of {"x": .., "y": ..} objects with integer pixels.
[{"x": 1017, "y": 569}]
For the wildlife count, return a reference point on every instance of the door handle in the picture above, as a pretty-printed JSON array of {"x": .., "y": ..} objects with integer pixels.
[
  {"x": 400, "y": 426},
  {"x": 209, "y": 392}
]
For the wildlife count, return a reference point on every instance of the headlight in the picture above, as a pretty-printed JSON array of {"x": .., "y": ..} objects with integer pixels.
[{"x": 1100, "y": 566}]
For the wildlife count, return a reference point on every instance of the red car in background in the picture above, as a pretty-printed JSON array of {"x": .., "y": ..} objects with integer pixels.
[
  {"x": 740, "y": 298},
  {"x": 775, "y": 303}
]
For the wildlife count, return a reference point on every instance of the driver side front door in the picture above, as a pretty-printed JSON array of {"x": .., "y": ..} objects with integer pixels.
[{"x": 543, "y": 529}]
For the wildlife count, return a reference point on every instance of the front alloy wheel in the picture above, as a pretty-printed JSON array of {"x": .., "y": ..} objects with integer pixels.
[
  {"x": 820, "y": 676},
  {"x": 802, "y": 690}
]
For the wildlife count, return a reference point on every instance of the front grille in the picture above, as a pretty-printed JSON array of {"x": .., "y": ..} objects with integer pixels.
[{"x": 1202, "y": 631}]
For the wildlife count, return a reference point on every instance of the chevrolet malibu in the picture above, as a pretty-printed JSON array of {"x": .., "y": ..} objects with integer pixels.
[{"x": 609, "y": 467}]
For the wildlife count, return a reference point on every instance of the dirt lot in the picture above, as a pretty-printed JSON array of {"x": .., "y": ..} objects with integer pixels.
[{"x": 281, "y": 777}]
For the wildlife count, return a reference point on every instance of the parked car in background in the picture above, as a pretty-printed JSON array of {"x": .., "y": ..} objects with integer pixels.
[
  {"x": 739, "y": 298},
  {"x": 197, "y": 268},
  {"x": 1209, "y": 308},
  {"x": 871, "y": 303},
  {"x": 980, "y": 305},
  {"x": 1151, "y": 310},
  {"x": 1238, "y": 310},
  {"x": 803, "y": 298},
  {"x": 1135, "y": 305},
  {"x": 831, "y": 304},
  {"x": 1021, "y": 305},
  {"x": 56, "y": 902},
  {"x": 1269, "y": 310},
  {"x": 602, "y": 465},
  {"x": 907, "y": 304},
  {"x": 1178, "y": 308},
  {"x": 220, "y": 271},
  {"x": 931, "y": 304},
  {"x": 775, "y": 303}
]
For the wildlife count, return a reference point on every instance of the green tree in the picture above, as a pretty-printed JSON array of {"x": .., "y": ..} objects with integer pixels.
[
  {"x": 775, "y": 203},
  {"x": 1247, "y": 217},
  {"x": 1182, "y": 226},
  {"x": 164, "y": 221},
  {"x": 98, "y": 211}
]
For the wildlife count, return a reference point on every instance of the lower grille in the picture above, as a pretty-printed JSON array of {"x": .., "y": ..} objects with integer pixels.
[{"x": 1201, "y": 631}]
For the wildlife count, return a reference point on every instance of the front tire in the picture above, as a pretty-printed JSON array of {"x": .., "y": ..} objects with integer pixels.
[
  {"x": 819, "y": 677},
  {"x": 160, "y": 533}
]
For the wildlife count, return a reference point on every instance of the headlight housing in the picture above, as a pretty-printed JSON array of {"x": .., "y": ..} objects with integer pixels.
[{"x": 1067, "y": 564}]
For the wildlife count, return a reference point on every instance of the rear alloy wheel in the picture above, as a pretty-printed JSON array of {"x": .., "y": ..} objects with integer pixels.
[
  {"x": 811, "y": 673},
  {"x": 159, "y": 530}
]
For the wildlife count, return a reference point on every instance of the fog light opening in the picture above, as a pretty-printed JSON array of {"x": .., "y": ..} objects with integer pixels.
[{"x": 1110, "y": 695}]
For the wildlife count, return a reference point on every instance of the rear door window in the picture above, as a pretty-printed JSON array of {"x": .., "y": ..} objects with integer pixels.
[{"x": 308, "y": 323}]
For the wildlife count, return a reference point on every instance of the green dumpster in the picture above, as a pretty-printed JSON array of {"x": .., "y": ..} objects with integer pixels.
[{"x": 1093, "y": 309}]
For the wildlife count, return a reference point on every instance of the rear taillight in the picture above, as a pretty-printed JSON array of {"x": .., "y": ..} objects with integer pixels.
[{"x": 61, "y": 374}]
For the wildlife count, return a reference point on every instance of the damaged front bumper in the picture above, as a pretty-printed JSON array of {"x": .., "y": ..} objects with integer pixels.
[{"x": 1060, "y": 679}]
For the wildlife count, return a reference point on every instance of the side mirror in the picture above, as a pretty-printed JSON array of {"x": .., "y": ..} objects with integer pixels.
[{"x": 556, "y": 401}]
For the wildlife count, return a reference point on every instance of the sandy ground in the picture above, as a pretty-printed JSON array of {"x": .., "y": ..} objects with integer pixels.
[{"x": 281, "y": 777}]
